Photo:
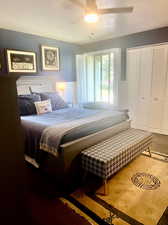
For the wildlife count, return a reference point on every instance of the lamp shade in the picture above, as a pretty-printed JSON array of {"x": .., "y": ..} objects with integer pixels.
[{"x": 60, "y": 86}]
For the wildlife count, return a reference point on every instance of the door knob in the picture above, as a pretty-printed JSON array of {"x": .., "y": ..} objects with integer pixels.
[{"x": 155, "y": 99}]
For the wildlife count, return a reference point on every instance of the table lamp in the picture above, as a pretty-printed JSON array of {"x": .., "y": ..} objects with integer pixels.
[{"x": 60, "y": 87}]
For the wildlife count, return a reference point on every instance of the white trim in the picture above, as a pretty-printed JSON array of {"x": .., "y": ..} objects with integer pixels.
[
  {"x": 148, "y": 45},
  {"x": 102, "y": 51}
]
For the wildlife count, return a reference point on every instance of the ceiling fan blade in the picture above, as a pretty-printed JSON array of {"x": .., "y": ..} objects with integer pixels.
[
  {"x": 115, "y": 10},
  {"x": 91, "y": 4},
  {"x": 77, "y": 2}
]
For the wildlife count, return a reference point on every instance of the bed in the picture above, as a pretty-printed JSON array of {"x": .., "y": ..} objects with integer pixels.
[
  {"x": 54, "y": 140},
  {"x": 89, "y": 122},
  {"x": 63, "y": 165}
]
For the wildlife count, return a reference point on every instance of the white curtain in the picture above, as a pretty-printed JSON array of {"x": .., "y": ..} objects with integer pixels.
[
  {"x": 98, "y": 76},
  {"x": 81, "y": 79}
]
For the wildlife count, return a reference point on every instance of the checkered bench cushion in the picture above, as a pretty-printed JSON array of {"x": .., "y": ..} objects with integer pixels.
[{"x": 107, "y": 157}]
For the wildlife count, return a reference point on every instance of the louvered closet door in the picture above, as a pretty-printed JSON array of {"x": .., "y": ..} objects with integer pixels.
[
  {"x": 165, "y": 118},
  {"x": 133, "y": 64},
  {"x": 158, "y": 88},
  {"x": 144, "y": 88},
  {"x": 165, "y": 107}
]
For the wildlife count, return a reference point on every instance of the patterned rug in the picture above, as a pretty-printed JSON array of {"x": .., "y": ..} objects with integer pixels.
[
  {"x": 138, "y": 194},
  {"x": 146, "y": 181}
]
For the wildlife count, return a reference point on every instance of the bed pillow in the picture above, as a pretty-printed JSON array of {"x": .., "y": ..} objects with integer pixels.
[
  {"x": 56, "y": 101},
  {"x": 26, "y": 104},
  {"x": 98, "y": 105},
  {"x": 43, "y": 107}
]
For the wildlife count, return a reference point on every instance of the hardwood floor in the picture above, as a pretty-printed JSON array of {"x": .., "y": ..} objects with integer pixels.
[{"x": 160, "y": 143}]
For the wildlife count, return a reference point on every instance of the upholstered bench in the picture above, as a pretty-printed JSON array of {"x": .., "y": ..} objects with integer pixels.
[{"x": 107, "y": 157}]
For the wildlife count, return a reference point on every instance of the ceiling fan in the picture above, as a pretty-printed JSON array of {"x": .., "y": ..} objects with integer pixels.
[{"x": 92, "y": 12}]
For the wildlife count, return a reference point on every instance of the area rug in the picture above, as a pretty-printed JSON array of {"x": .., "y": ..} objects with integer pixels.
[{"x": 138, "y": 194}]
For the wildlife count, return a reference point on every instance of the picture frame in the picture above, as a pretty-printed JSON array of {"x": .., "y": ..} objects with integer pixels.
[
  {"x": 1, "y": 62},
  {"x": 50, "y": 58},
  {"x": 19, "y": 61}
]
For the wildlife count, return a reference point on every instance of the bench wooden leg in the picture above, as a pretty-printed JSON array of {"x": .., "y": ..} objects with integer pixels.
[
  {"x": 106, "y": 191},
  {"x": 148, "y": 150}
]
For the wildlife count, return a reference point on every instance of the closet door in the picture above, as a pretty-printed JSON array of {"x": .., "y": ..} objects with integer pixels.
[
  {"x": 165, "y": 118},
  {"x": 158, "y": 88},
  {"x": 144, "y": 88},
  {"x": 133, "y": 64},
  {"x": 165, "y": 107},
  {"x": 145, "y": 74}
]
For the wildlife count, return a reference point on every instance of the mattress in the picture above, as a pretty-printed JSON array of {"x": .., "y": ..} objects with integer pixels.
[{"x": 35, "y": 125}]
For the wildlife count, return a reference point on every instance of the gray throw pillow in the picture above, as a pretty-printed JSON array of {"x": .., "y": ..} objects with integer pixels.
[
  {"x": 26, "y": 104},
  {"x": 56, "y": 101}
]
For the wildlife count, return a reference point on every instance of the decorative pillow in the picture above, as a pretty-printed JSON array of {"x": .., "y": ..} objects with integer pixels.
[
  {"x": 43, "y": 107},
  {"x": 26, "y": 104},
  {"x": 56, "y": 101}
]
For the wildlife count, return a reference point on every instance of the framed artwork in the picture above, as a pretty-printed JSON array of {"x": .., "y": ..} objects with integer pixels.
[
  {"x": 0, "y": 61},
  {"x": 50, "y": 58},
  {"x": 21, "y": 61}
]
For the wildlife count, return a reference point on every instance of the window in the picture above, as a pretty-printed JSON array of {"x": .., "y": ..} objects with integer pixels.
[{"x": 100, "y": 72}]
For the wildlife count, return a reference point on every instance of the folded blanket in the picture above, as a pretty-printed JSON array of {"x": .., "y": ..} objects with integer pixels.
[{"x": 52, "y": 136}]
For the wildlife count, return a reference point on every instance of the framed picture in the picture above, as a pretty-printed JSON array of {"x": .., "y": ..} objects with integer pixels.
[
  {"x": 50, "y": 58},
  {"x": 21, "y": 61},
  {"x": 1, "y": 61}
]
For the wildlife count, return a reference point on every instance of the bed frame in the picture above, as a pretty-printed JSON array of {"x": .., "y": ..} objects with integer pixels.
[{"x": 68, "y": 152}]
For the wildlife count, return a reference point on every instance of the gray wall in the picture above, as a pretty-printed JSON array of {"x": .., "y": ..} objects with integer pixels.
[
  {"x": 22, "y": 41},
  {"x": 143, "y": 38}
]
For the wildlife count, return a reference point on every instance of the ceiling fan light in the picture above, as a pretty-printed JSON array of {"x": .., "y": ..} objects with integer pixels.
[{"x": 91, "y": 17}]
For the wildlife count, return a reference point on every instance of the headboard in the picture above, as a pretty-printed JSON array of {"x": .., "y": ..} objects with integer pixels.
[
  {"x": 45, "y": 84},
  {"x": 34, "y": 83}
]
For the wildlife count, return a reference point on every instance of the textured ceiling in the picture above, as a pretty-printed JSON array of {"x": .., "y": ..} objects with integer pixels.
[{"x": 62, "y": 20}]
